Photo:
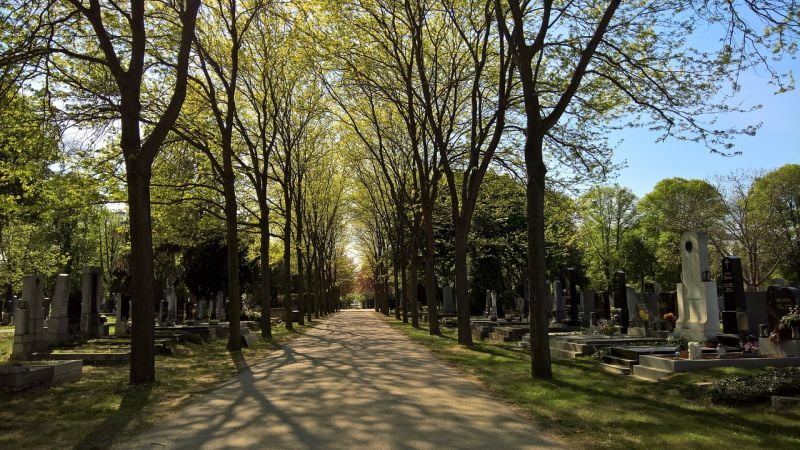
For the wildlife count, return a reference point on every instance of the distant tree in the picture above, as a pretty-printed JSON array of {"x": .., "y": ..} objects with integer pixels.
[
  {"x": 753, "y": 232},
  {"x": 676, "y": 205},
  {"x": 607, "y": 215},
  {"x": 779, "y": 191}
]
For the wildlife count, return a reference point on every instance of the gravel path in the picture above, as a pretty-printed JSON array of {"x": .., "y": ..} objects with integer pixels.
[{"x": 350, "y": 382}]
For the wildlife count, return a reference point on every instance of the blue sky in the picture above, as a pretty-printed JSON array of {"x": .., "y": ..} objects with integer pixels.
[{"x": 776, "y": 143}]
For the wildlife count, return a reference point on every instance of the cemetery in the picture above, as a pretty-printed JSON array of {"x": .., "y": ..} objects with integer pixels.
[{"x": 398, "y": 224}]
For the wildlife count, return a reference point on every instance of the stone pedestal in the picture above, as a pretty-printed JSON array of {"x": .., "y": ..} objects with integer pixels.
[
  {"x": 698, "y": 309},
  {"x": 91, "y": 296},
  {"x": 29, "y": 334},
  {"x": 58, "y": 323}
]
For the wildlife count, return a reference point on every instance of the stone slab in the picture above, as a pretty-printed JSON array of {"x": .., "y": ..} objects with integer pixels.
[{"x": 779, "y": 402}]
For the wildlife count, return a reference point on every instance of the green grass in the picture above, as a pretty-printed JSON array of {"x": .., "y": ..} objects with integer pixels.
[
  {"x": 588, "y": 407},
  {"x": 102, "y": 406}
]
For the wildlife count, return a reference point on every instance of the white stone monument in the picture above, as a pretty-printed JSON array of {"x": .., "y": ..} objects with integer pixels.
[
  {"x": 29, "y": 334},
  {"x": 58, "y": 323},
  {"x": 698, "y": 311}
]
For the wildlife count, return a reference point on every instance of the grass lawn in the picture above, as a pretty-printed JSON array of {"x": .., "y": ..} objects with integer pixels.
[
  {"x": 102, "y": 406},
  {"x": 588, "y": 407}
]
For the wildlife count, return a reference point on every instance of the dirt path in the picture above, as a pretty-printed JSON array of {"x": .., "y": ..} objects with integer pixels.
[{"x": 351, "y": 382}]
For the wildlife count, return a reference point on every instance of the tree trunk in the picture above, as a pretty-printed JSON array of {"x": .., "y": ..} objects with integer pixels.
[
  {"x": 266, "y": 282},
  {"x": 287, "y": 267},
  {"x": 301, "y": 296},
  {"x": 430, "y": 274},
  {"x": 143, "y": 368},
  {"x": 395, "y": 275},
  {"x": 232, "y": 241},
  {"x": 540, "y": 345},
  {"x": 462, "y": 289},
  {"x": 412, "y": 271},
  {"x": 404, "y": 294}
]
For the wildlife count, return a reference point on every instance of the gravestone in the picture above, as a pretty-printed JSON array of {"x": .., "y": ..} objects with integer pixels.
[
  {"x": 602, "y": 308},
  {"x": 180, "y": 310},
  {"x": 587, "y": 306},
  {"x": 667, "y": 303},
  {"x": 447, "y": 299},
  {"x": 29, "y": 334},
  {"x": 201, "y": 309},
  {"x": 574, "y": 300},
  {"x": 91, "y": 296},
  {"x": 558, "y": 302},
  {"x": 7, "y": 308},
  {"x": 634, "y": 306},
  {"x": 734, "y": 316},
  {"x": 780, "y": 301},
  {"x": 220, "y": 303},
  {"x": 172, "y": 306},
  {"x": 619, "y": 292},
  {"x": 58, "y": 323},
  {"x": 756, "y": 307},
  {"x": 493, "y": 299},
  {"x": 122, "y": 308},
  {"x": 698, "y": 312}
]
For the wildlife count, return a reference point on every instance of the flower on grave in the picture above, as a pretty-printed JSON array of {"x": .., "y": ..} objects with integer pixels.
[
  {"x": 644, "y": 315},
  {"x": 670, "y": 317},
  {"x": 792, "y": 319},
  {"x": 751, "y": 346}
]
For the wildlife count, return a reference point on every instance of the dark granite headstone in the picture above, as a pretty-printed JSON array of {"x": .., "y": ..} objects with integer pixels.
[
  {"x": 780, "y": 300},
  {"x": 572, "y": 295},
  {"x": 620, "y": 294},
  {"x": 733, "y": 295},
  {"x": 756, "y": 307}
]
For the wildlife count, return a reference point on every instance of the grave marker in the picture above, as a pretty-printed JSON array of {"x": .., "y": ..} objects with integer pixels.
[
  {"x": 780, "y": 300},
  {"x": 734, "y": 317},
  {"x": 29, "y": 334},
  {"x": 58, "y": 323},
  {"x": 91, "y": 296},
  {"x": 698, "y": 312}
]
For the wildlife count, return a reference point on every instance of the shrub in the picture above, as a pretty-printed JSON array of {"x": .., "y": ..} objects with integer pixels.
[{"x": 756, "y": 388}]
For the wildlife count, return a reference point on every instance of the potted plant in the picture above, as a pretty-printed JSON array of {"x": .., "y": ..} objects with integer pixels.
[{"x": 791, "y": 322}]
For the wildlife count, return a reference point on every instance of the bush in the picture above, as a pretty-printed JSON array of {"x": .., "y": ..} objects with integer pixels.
[{"x": 756, "y": 388}]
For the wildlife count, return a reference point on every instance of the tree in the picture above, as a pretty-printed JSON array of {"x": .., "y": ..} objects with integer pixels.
[
  {"x": 753, "y": 232},
  {"x": 607, "y": 214},
  {"x": 582, "y": 66},
  {"x": 105, "y": 54},
  {"x": 676, "y": 205},
  {"x": 778, "y": 191}
]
